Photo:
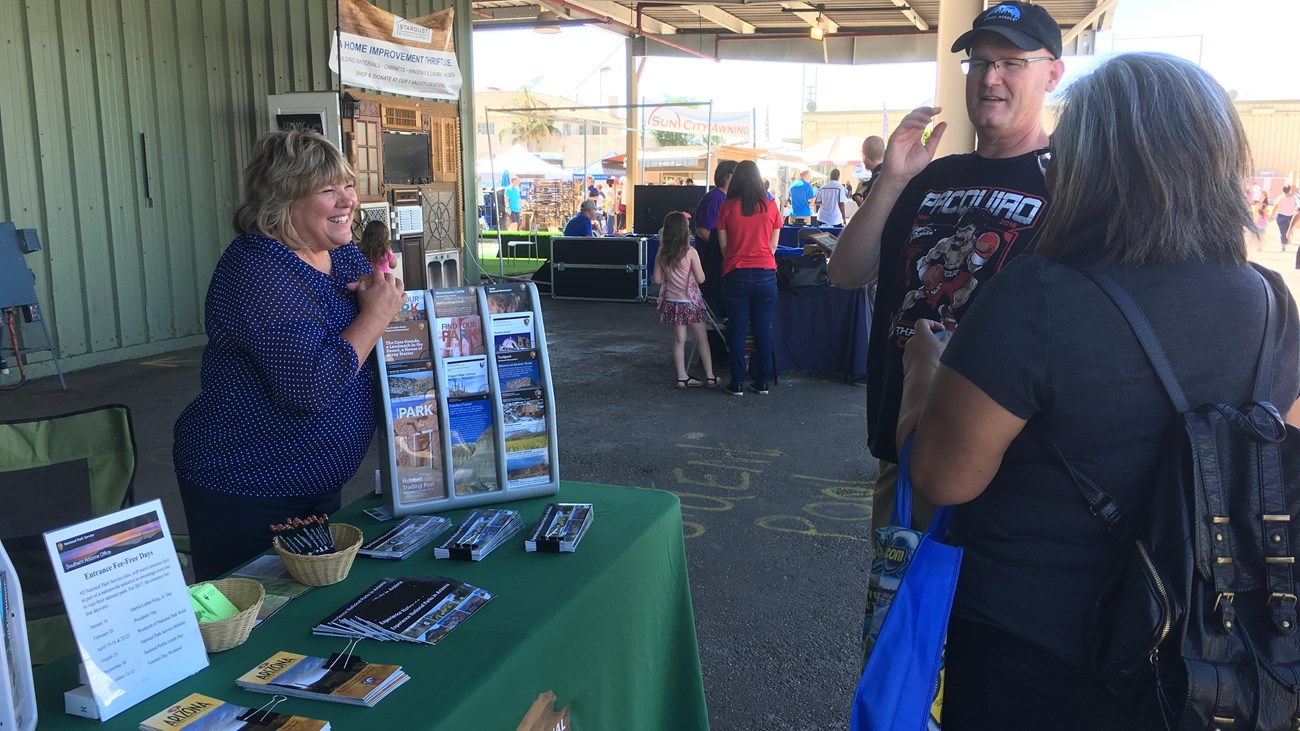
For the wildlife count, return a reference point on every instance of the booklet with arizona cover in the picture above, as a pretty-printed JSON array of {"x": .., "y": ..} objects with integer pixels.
[
  {"x": 339, "y": 678},
  {"x": 197, "y": 712}
]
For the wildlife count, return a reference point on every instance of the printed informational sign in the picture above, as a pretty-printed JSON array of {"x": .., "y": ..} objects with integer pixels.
[
  {"x": 128, "y": 605},
  {"x": 382, "y": 51}
]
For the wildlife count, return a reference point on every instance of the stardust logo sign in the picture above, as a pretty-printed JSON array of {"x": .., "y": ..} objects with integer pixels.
[{"x": 379, "y": 50}]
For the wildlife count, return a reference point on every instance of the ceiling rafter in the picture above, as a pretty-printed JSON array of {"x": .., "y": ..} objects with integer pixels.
[
  {"x": 812, "y": 16},
  {"x": 721, "y": 18},
  {"x": 911, "y": 15},
  {"x": 604, "y": 8}
]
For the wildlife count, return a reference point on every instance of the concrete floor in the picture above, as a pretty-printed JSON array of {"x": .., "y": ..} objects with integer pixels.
[{"x": 774, "y": 492}]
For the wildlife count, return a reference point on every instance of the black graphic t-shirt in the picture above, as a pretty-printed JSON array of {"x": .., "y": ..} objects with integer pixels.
[{"x": 955, "y": 225}]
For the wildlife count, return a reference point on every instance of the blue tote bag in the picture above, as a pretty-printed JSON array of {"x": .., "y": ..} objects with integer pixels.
[{"x": 902, "y": 685}]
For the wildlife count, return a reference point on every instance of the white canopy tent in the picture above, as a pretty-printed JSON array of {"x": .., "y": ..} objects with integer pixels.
[{"x": 518, "y": 161}]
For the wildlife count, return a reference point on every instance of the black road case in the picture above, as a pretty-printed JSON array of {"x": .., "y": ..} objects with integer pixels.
[{"x": 599, "y": 268}]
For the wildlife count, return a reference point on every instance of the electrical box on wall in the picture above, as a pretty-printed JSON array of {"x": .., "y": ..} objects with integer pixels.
[{"x": 314, "y": 110}]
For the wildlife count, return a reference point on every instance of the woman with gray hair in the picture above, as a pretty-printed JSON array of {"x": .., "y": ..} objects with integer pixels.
[
  {"x": 1148, "y": 164},
  {"x": 287, "y": 410}
]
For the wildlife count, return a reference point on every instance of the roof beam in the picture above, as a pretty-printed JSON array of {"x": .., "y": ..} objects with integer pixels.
[
  {"x": 721, "y": 18},
  {"x": 1103, "y": 7},
  {"x": 811, "y": 16},
  {"x": 911, "y": 15},
  {"x": 601, "y": 9}
]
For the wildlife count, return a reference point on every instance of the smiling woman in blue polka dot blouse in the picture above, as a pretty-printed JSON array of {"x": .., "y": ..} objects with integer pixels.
[{"x": 287, "y": 406}]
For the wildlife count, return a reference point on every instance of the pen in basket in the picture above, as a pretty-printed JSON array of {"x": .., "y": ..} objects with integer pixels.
[{"x": 310, "y": 536}]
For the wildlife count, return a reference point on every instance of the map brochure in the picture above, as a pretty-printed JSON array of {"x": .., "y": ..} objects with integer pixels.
[
  {"x": 340, "y": 678},
  {"x": 197, "y": 712},
  {"x": 405, "y": 537},
  {"x": 560, "y": 528},
  {"x": 270, "y": 572},
  {"x": 407, "y": 609},
  {"x": 479, "y": 534}
]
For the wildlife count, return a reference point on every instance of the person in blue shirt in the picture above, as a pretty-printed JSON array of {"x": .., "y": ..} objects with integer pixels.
[
  {"x": 513, "y": 204},
  {"x": 580, "y": 224},
  {"x": 801, "y": 196},
  {"x": 286, "y": 409}
]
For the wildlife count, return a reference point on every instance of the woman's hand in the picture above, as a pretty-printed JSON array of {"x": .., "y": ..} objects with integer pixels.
[
  {"x": 925, "y": 346},
  {"x": 920, "y": 361},
  {"x": 380, "y": 296}
]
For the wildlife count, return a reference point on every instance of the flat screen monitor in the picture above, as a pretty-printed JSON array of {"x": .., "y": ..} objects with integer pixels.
[{"x": 406, "y": 158}]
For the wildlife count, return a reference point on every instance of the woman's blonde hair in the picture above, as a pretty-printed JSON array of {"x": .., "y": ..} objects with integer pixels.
[{"x": 285, "y": 167}]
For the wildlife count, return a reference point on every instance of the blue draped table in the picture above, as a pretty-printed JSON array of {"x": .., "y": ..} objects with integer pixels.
[{"x": 823, "y": 329}]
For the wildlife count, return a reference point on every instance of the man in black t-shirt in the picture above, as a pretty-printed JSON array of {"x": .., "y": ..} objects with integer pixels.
[{"x": 931, "y": 231}]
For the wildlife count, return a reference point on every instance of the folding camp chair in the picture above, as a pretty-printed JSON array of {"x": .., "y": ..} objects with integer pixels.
[{"x": 61, "y": 470}]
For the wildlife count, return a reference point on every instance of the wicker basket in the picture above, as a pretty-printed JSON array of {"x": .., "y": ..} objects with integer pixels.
[
  {"x": 247, "y": 596},
  {"x": 326, "y": 569}
]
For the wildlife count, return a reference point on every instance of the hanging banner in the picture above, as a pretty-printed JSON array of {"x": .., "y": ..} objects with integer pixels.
[
  {"x": 695, "y": 121},
  {"x": 384, "y": 52}
]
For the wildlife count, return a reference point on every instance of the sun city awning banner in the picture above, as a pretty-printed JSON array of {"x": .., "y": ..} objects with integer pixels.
[
  {"x": 695, "y": 121},
  {"x": 384, "y": 52}
]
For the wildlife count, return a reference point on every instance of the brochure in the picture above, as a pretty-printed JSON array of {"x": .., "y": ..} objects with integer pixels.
[
  {"x": 512, "y": 332},
  {"x": 278, "y": 593},
  {"x": 473, "y": 445},
  {"x": 418, "y": 447},
  {"x": 458, "y": 328},
  {"x": 420, "y": 609},
  {"x": 560, "y": 528},
  {"x": 467, "y": 377},
  {"x": 479, "y": 534},
  {"x": 507, "y": 298},
  {"x": 128, "y": 606},
  {"x": 406, "y": 537},
  {"x": 340, "y": 678},
  {"x": 407, "y": 336},
  {"x": 197, "y": 712},
  {"x": 526, "y": 437},
  {"x": 518, "y": 370}
]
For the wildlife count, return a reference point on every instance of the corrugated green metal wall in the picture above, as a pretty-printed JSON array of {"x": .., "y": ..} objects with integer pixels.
[{"x": 124, "y": 125}]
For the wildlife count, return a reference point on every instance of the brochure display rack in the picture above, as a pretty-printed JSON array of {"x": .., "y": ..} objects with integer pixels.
[{"x": 465, "y": 382}]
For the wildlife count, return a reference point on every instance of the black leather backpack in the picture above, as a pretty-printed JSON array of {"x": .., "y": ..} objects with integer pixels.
[{"x": 1198, "y": 626}]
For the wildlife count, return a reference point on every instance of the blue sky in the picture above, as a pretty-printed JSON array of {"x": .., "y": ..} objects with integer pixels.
[{"x": 1247, "y": 45}]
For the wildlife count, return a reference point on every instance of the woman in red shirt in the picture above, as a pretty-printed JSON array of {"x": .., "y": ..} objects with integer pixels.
[{"x": 748, "y": 228}]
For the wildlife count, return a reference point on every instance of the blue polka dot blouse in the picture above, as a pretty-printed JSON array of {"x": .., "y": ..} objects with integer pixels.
[{"x": 283, "y": 410}]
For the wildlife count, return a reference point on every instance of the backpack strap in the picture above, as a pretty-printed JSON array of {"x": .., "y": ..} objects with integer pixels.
[{"x": 1260, "y": 419}]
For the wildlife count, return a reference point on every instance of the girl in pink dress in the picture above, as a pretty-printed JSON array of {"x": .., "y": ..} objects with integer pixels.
[
  {"x": 375, "y": 247},
  {"x": 679, "y": 275}
]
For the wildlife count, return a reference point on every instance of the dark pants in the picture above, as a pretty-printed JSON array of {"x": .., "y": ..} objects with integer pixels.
[
  {"x": 1283, "y": 223},
  {"x": 996, "y": 680},
  {"x": 227, "y": 530},
  {"x": 750, "y": 295}
]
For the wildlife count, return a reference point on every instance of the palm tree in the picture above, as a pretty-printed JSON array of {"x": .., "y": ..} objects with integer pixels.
[{"x": 529, "y": 128}]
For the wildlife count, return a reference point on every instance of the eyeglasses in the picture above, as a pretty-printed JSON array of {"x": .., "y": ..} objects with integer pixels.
[{"x": 1004, "y": 66}]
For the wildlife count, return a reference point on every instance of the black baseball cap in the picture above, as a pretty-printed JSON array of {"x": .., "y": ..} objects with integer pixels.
[{"x": 1029, "y": 27}]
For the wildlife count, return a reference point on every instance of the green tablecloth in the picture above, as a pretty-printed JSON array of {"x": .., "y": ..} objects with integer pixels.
[{"x": 609, "y": 629}]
